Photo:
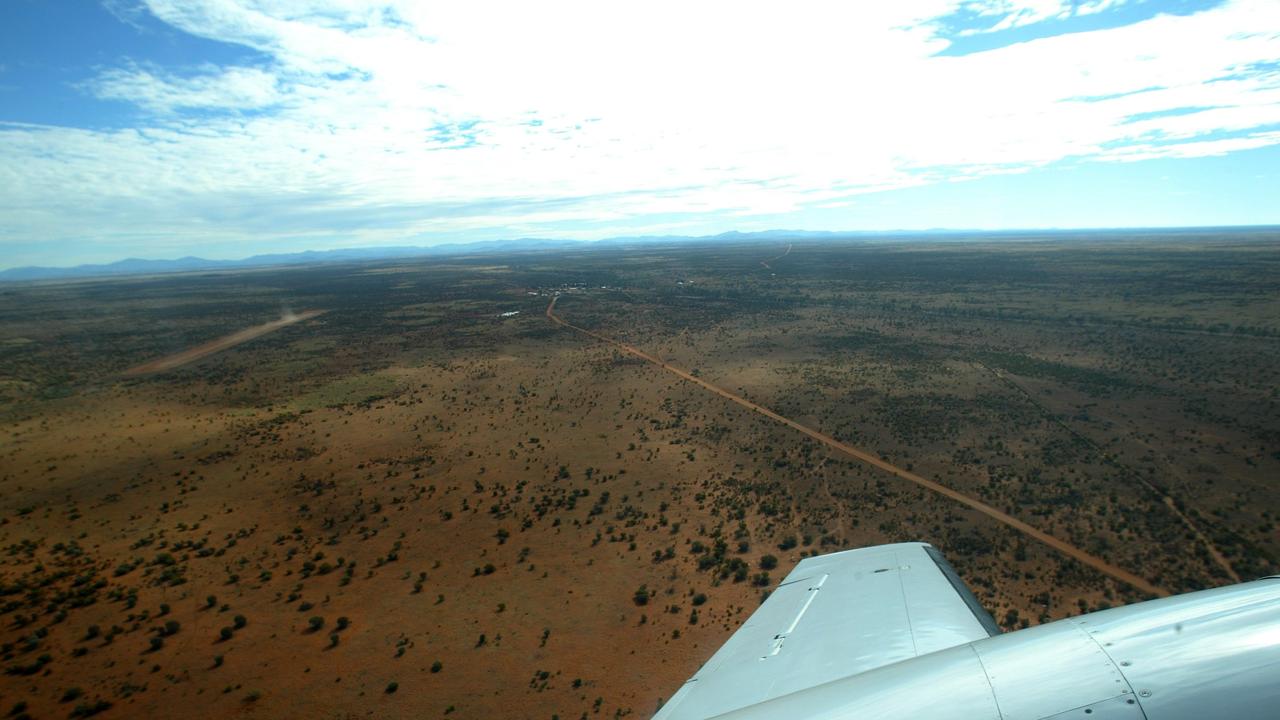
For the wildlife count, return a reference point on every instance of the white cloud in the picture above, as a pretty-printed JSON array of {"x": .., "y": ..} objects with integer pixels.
[
  {"x": 372, "y": 124},
  {"x": 1009, "y": 14},
  {"x": 235, "y": 88}
]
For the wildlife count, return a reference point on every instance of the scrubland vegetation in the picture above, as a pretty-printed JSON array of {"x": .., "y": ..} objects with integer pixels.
[{"x": 412, "y": 506}]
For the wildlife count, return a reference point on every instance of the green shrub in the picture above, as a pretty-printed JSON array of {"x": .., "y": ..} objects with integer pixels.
[
  {"x": 90, "y": 709},
  {"x": 71, "y": 693}
]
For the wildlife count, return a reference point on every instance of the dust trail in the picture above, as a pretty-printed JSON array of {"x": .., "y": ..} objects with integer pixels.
[
  {"x": 1061, "y": 546},
  {"x": 192, "y": 354}
]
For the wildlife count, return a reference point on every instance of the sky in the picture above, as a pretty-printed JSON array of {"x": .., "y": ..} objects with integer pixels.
[{"x": 228, "y": 128}]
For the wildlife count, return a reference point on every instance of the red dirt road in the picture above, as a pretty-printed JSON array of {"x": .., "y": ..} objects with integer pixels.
[
  {"x": 1065, "y": 548},
  {"x": 225, "y": 342}
]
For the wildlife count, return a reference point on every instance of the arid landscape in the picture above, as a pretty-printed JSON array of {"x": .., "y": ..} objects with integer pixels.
[{"x": 551, "y": 484}]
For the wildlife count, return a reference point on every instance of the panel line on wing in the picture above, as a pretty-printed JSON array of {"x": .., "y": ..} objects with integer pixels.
[{"x": 906, "y": 609}]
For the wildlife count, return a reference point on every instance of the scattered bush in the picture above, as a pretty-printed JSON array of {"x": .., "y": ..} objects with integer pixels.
[
  {"x": 90, "y": 709},
  {"x": 72, "y": 693}
]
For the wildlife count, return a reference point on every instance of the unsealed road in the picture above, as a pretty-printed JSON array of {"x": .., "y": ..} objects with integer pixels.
[
  {"x": 785, "y": 253},
  {"x": 1065, "y": 548}
]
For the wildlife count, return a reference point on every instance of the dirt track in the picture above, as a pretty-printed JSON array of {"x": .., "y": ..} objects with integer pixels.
[
  {"x": 216, "y": 346},
  {"x": 1214, "y": 551},
  {"x": 785, "y": 253},
  {"x": 1065, "y": 548}
]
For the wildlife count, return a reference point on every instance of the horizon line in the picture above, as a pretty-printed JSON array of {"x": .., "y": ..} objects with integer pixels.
[{"x": 444, "y": 246}]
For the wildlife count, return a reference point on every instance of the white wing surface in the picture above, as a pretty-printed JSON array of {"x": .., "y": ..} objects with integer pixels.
[{"x": 834, "y": 616}]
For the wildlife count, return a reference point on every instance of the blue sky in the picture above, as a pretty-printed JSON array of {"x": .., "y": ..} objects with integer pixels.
[{"x": 226, "y": 128}]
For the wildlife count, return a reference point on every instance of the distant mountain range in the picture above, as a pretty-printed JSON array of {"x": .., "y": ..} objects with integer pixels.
[{"x": 138, "y": 266}]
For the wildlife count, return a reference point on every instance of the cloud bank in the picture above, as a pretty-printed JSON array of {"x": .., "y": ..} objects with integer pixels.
[{"x": 367, "y": 123}]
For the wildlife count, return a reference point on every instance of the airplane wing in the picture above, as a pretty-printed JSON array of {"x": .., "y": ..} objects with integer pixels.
[{"x": 834, "y": 616}]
